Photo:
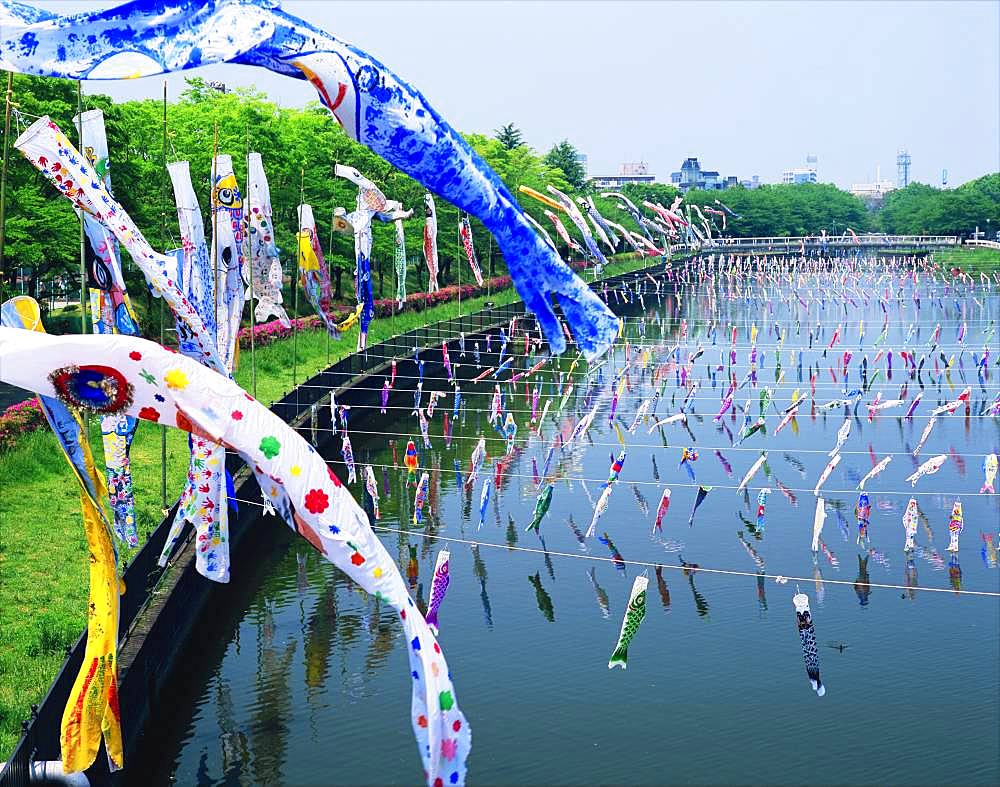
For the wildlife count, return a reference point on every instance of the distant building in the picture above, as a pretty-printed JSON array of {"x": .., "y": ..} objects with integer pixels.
[
  {"x": 799, "y": 175},
  {"x": 875, "y": 190},
  {"x": 692, "y": 176},
  {"x": 632, "y": 172},
  {"x": 582, "y": 158},
  {"x": 806, "y": 174},
  {"x": 753, "y": 183}
]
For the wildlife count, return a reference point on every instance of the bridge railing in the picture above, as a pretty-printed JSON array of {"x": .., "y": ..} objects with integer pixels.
[{"x": 786, "y": 241}]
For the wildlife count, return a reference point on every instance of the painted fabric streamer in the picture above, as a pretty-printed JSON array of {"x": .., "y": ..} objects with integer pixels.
[
  {"x": 431, "y": 242},
  {"x": 265, "y": 265},
  {"x": 634, "y": 614},
  {"x": 314, "y": 275},
  {"x": 465, "y": 232},
  {"x": 91, "y": 710},
  {"x": 110, "y": 312},
  {"x": 399, "y": 253},
  {"x": 52, "y": 154},
  {"x": 230, "y": 261},
  {"x": 372, "y": 104},
  {"x": 309, "y": 497},
  {"x": 370, "y": 204},
  {"x": 203, "y": 502},
  {"x": 807, "y": 635}
]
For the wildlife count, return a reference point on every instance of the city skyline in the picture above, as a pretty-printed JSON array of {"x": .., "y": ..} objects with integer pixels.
[{"x": 849, "y": 83}]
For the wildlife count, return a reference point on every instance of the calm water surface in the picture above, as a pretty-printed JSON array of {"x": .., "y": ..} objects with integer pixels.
[{"x": 302, "y": 679}]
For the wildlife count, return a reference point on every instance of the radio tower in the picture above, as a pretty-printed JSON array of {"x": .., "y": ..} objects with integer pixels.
[{"x": 902, "y": 168}]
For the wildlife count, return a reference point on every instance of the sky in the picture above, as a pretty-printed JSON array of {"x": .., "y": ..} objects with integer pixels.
[{"x": 750, "y": 88}]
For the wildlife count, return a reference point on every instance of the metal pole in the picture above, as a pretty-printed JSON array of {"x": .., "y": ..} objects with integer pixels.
[
  {"x": 3, "y": 173},
  {"x": 83, "y": 237}
]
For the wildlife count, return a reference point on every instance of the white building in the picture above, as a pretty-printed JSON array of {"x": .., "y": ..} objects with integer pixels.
[
  {"x": 632, "y": 172},
  {"x": 799, "y": 175}
]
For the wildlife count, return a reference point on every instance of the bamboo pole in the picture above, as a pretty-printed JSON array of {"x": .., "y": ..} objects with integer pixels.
[
  {"x": 163, "y": 217},
  {"x": 8, "y": 98},
  {"x": 248, "y": 260},
  {"x": 298, "y": 273}
]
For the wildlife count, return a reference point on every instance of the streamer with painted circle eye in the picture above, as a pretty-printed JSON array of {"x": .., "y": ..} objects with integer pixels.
[
  {"x": 314, "y": 273},
  {"x": 264, "y": 271},
  {"x": 430, "y": 242},
  {"x": 170, "y": 389},
  {"x": 465, "y": 232},
  {"x": 635, "y": 612},
  {"x": 807, "y": 637},
  {"x": 91, "y": 712},
  {"x": 111, "y": 312},
  {"x": 230, "y": 261}
]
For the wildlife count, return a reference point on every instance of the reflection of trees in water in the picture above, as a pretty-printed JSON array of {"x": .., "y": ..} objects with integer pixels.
[
  {"x": 543, "y": 599},
  {"x": 479, "y": 570},
  {"x": 700, "y": 602},
  {"x": 861, "y": 584},
  {"x": 661, "y": 586},
  {"x": 320, "y": 632},
  {"x": 383, "y": 633},
  {"x": 235, "y": 752},
  {"x": 273, "y": 699}
]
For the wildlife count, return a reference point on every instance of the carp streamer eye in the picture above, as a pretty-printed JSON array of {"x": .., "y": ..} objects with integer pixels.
[
  {"x": 228, "y": 198},
  {"x": 99, "y": 389}
]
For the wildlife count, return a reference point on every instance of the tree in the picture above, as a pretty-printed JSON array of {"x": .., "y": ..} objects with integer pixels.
[
  {"x": 509, "y": 136},
  {"x": 565, "y": 157}
]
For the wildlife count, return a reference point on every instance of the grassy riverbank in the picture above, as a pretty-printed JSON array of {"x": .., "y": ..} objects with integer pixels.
[
  {"x": 970, "y": 259},
  {"x": 43, "y": 551}
]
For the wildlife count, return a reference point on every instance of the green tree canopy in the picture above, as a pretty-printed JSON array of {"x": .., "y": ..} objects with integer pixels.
[
  {"x": 509, "y": 136},
  {"x": 565, "y": 157}
]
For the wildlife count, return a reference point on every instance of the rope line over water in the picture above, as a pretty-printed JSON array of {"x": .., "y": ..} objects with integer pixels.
[{"x": 780, "y": 578}]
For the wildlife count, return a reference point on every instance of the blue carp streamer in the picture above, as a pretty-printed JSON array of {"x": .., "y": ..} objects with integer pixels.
[{"x": 373, "y": 105}]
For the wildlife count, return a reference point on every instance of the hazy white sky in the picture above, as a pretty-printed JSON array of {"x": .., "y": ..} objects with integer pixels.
[{"x": 748, "y": 87}]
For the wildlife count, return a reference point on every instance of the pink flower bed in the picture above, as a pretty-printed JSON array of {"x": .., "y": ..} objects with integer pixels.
[{"x": 19, "y": 419}]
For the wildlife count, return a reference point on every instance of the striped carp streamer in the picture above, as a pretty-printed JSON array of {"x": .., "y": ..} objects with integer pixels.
[
  {"x": 110, "y": 312},
  {"x": 634, "y": 614},
  {"x": 92, "y": 710},
  {"x": 154, "y": 384},
  {"x": 807, "y": 636},
  {"x": 373, "y": 105}
]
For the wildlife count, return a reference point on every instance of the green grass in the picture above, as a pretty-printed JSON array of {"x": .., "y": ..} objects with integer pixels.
[
  {"x": 43, "y": 552},
  {"x": 969, "y": 258}
]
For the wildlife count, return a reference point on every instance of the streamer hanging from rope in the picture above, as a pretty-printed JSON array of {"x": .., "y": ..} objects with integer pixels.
[
  {"x": 373, "y": 105},
  {"x": 265, "y": 265},
  {"x": 314, "y": 273},
  {"x": 149, "y": 382},
  {"x": 91, "y": 710},
  {"x": 370, "y": 204},
  {"x": 110, "y": 312}
]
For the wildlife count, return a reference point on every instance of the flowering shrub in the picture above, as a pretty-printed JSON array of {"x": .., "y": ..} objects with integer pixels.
[
  {"x": 267, "y": 332},
  {"x": 19, "y": 419}
]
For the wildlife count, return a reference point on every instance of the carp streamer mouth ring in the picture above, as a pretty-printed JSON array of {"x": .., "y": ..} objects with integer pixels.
[{"x": 98, "y": 389}]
